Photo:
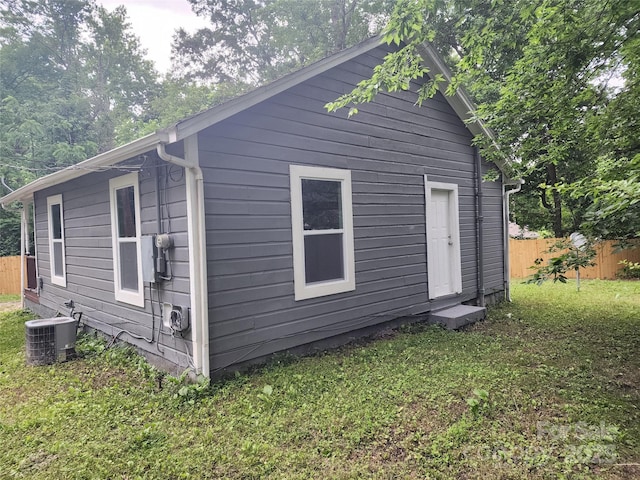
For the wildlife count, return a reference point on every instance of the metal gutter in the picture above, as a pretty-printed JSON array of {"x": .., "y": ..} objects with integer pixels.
[
  {"x": 35, "y": 248},
  {"x": 124, "y": 152}
]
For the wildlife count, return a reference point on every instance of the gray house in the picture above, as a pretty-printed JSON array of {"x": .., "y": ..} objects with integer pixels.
[{"x": 267, "y": 223}]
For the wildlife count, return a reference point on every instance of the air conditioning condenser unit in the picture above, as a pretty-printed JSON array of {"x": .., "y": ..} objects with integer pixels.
[{"x": 51, "y": 340}]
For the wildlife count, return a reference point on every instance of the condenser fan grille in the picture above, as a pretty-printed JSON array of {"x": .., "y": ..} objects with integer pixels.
[
  {"x": 50, "y": 340},
  {"x": 41, "y": 345}
]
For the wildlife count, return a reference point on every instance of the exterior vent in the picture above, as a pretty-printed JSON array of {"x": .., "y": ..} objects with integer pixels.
[{"x": 51, "y": 340}]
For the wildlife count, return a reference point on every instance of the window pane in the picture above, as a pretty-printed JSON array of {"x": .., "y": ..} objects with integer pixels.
[
  {"x": 58, "y": 271},
  {"x": 323, "y": 258},
  {"x": 321, "y": 204},
  {"x": 56, "y": 225},
  {"x": 129, "y": 266},
  {"x": 126, "y": 212}
]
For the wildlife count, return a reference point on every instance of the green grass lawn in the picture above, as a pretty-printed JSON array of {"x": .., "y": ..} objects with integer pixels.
[
  {"x": 4, "y": 297},
  {"x": 547, "y": 387}
]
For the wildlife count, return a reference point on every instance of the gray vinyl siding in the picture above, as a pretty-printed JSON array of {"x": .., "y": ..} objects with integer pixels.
[
  {"x": 89, "y": 256},
  {"x": 388, "y": 147},
  {"x": 493, "y": 234}
]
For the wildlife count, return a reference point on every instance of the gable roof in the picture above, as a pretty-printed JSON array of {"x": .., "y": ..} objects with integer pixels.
[{"x": 460, "y": 102}]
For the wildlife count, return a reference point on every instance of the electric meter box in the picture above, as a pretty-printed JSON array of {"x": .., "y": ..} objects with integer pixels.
[{"x": 149, "y": 252}]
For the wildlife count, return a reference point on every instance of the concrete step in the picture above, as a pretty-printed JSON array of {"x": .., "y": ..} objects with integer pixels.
[{"x": 459, "y": 316}]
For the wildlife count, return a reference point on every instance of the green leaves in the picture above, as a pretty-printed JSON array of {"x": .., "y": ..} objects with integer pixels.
[
  {"x": 571, "y": 257},
  {"x": 184, "y": 390},
  {"x": 540, "y": 72},
  {"x": 479, "y": 402},
  {"x": 254, "y": 42},
  {"x": 395, "y": 74},
  {"x": 70, "y": 73},
  {"x": 10, "y": 238},
  {"x": 629, "y": 269},
  {"x": 407, "y": 20},
  {"x": 613, "y": 191}
]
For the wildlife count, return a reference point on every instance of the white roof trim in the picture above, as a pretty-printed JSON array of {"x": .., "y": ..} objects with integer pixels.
[
  {"x": 460, "y": 102},
  {"x": 200, "y": 121},
  {"x": 105, "y": 159}
]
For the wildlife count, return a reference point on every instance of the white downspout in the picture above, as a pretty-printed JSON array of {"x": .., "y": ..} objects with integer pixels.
[
  {"x": 194, "y": 181},
  {"x": 24, "y": 239},
  {"x": 35, "y": 247},
  {"x": 507, "y": 262},
  {"x": 24, "y": 243}
]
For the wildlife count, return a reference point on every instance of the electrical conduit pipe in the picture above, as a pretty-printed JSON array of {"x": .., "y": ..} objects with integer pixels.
[{"x": 194, "y": 181}]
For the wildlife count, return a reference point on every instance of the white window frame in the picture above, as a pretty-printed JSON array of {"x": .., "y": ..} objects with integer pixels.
[
  {"x": 319, "y": 289},
  {"x": 127, "y": 296},
  {"x": 60, "y": 280}
]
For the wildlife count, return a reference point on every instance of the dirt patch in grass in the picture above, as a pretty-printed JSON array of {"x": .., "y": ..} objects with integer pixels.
[
  {"x": 108, "y": 379},
  {"x": 103, "y": 378},
  {"x": 37, "y": 461},
  {"x": 16, "y": 395},
  {"x": 395, "y": 451},
  {"x": 9, "y": 306}
]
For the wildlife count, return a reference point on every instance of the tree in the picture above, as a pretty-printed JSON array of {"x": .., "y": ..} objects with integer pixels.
[
  {"x": 613, "y": 187},
  {"x": 121, "y": 82},
  {"x": 254, "y": 41},
  {"x": 177, "y": 98},
  {"x": 573, "y": 254},
  {"x": 614, "y": 195},
  {"x": 70, "y": 72},
  {"x": 538, "y": 70},
  {"x": 9, "y": 233}
]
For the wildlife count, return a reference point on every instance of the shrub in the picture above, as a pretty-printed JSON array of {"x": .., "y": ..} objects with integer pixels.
[{"x": 629, "y": 270}]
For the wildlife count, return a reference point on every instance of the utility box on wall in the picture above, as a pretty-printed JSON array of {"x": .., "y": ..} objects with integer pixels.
[
  {"x": 175, "y": 317},
  {"x": 149, "y": 252}
]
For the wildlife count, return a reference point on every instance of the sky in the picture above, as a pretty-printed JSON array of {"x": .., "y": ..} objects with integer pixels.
[{"x": 155, "y": 21}]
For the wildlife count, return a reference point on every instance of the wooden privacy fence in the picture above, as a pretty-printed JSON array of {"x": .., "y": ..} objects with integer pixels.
[
  {"x": 9, "y": 275},
  {"x": 523, "y": 254}
]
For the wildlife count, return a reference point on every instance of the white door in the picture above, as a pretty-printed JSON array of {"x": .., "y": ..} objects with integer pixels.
[{"x": 443, "y": 239}]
